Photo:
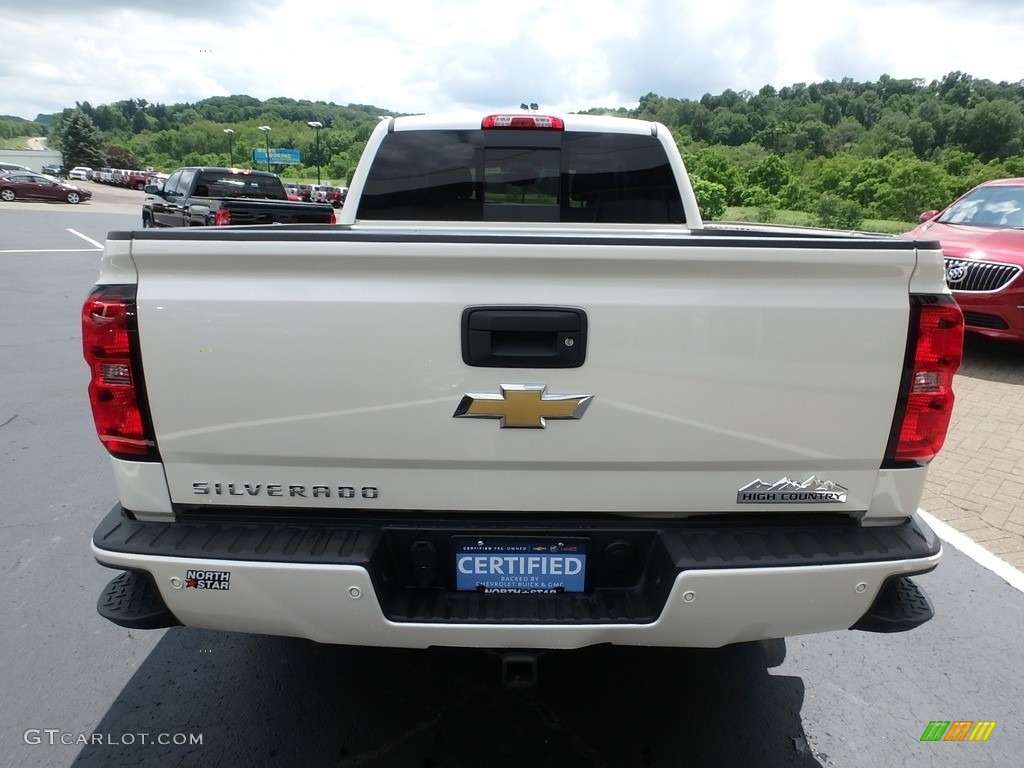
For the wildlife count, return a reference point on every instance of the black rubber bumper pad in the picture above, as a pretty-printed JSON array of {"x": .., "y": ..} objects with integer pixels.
[
  {"x": 901, "y": 605},
  {"x": 132, "y": 600}
]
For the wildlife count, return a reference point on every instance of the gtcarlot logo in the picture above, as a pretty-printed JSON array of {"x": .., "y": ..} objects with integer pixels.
[{"x": 54, "y": 736}]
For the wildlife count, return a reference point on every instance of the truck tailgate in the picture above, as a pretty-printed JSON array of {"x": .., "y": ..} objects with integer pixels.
[{"x": 324, "y": 369}]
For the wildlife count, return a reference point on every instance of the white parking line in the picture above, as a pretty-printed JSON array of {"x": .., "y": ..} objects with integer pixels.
[
  {"x": 49, "y": 250},
  {"x": 84, "y": 237},
  {"x": 975, "y": 551}
]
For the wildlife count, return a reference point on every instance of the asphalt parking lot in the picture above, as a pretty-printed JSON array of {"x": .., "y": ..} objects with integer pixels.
[{"x": 839, "y": 699}]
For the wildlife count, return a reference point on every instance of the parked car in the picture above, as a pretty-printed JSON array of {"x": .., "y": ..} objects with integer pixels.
[
  {"x": 194, "y": 197},
  {"x": 135, "y": 180},
  {"x": 304, "y": 191},
  {"x": 80, "y": 173},
  {"x": 56, "y": 171},
  {"x": 14, "y": 167},
  {"x": 982, "y": 239},
  {"x": 327, "y": 194},
  {"x": 35, "y": 185},
  {"x": 155, "y": 178}
]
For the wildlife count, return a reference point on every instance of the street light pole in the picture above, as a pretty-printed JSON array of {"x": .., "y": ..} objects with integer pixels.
[
  {"x": 231, "y": 139},
  {"x": 317, "y": 125},
  {"x": 266, "y": 132}
]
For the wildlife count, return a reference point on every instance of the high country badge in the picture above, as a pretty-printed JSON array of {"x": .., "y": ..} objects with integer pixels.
[{"x": 786, "y": 491}]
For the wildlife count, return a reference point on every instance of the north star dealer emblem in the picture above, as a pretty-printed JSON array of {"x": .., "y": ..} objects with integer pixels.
[
  {"x": 786, "y": 491},
  {"x": 522, "y": 405},
  {"x": 207, "y": 579}
]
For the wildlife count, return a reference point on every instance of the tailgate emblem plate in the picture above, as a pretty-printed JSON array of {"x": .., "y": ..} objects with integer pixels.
[
  {"x": 786, "y": 491},
  {"x": 522, "y": 406}
]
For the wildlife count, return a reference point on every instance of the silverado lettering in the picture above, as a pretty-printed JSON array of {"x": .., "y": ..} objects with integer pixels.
[
  {"x": 314, "y": 492},
  {"x": 280, "y": 489}
]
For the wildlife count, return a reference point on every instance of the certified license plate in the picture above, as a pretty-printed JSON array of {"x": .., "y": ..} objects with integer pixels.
[{"x": 520, "y": 566}]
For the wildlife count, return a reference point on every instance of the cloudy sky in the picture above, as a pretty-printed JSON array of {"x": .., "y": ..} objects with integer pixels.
[{"x": 419, "y": 56}]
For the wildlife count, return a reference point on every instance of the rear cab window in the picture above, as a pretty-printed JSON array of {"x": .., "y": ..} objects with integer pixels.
[
  {"x": 521, "y": 175},
  {"x": 233, "y": 184}
]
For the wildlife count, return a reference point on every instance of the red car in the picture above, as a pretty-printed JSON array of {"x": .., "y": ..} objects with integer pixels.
[
  {"x": 29, "y": 185},
  {"x": 982, "y": 238},
  {"x": 135, "y": 179}
]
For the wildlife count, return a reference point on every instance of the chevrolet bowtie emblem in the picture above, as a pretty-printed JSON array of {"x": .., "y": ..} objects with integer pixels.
[{"x": 523, "y": 405}]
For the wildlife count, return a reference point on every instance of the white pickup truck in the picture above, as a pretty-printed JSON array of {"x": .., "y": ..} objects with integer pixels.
[{"x": 520, "y": 397}]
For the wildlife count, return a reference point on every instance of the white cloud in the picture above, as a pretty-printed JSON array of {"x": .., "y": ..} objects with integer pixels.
[{"x": 421, "y": 56}]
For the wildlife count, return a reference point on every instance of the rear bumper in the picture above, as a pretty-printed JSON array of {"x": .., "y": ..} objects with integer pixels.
[{"x": 691, "y": 585}]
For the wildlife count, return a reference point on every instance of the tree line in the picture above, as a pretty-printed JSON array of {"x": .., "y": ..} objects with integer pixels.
[
  {"x": 847, "y": 150},
  {"x": 15, "y": 127},
  {"x": 842, "y": 150},
  {"x": 222, "y": 130}
]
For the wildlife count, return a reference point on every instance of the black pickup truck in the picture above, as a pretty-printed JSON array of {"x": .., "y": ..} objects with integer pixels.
[{"x": 199, "y": 197}]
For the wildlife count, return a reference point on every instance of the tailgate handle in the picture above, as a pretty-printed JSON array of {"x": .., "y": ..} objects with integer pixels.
[{"x": 524, "y": 337}]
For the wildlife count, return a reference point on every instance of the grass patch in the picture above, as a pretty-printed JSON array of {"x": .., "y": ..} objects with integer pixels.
[
  {"x": 887, "y": 227},
  {"x": 804, "y": 219},
  {"x": 17, "y": 142}
]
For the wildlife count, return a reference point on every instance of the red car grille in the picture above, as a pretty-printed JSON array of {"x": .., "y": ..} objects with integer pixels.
[{"x": 965, "y": 275}]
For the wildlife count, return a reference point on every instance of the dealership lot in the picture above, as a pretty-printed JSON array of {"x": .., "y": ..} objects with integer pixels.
[{"x": 838, "y": 699}]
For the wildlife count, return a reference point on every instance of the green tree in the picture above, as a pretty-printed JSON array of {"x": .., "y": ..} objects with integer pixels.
[
  {"x": 730, "y": 128},
  {"x": 834, "y": 212},
  {"x": 956, "y": 162},
  {"x": 712, "y": 165},
  {"x": 766, "y": 203},
  {"x": 794, "y": 196},
  {"x": 810, "y": 135},
  {"x": 770, "y": 174},
  {"x": 843, "y": 137},
  {"x": 774, "y": 136},
  {"x": 922, "y": 137},
  {"x": 119, "y": 157},
  {"x": 993, "y": 129},
  {"x": 81, "y": 142},
  {"x": 710, "y": 197},
  {"x": 955, "y": 88},
  {"x": 912, "y": 187}
]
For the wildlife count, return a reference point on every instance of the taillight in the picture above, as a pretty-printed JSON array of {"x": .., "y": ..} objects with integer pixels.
[
  {"x": 116, "y": 389},
  {"x": 926, "y": 394},
  {"x": 543, "y": 122},
  {"x": 222, "y": 217}
]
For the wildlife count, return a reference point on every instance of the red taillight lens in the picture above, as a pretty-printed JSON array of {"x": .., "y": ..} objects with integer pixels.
[
  {"x": 926, "y": 404},
  {"x": 222, "y": 217},
  {"x": 108, "y": 328},
  {"x": 543, "y": 122},
  {"x": 334, "y": 219}
]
